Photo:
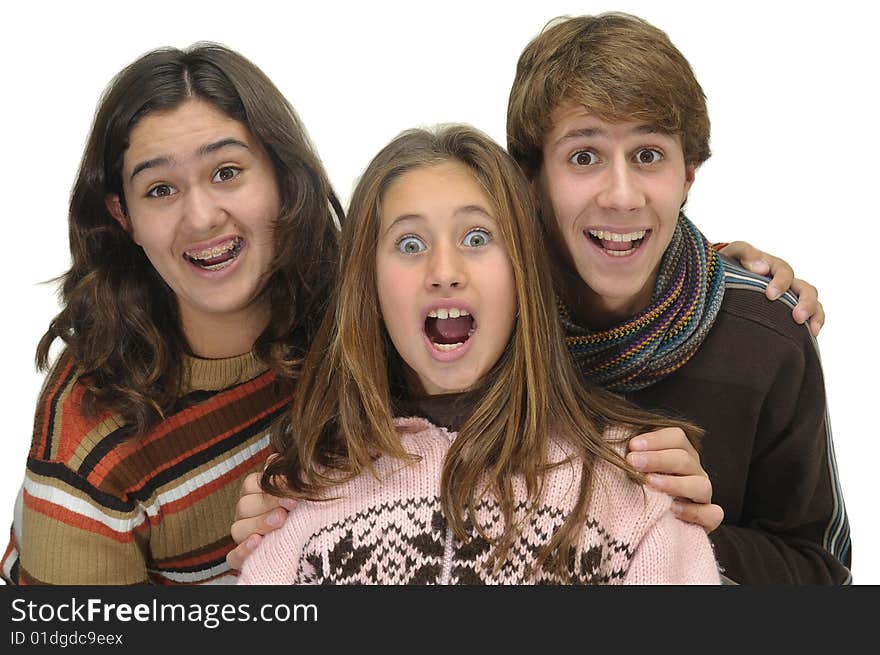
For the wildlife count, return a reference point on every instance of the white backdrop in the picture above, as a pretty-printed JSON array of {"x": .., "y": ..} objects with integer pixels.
[{"x": 792, "y": 97}]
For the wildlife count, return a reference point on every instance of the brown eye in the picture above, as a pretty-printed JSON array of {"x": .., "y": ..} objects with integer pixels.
[
  {"x": 648, "y": 156},
  {"x": 160, "y": 191},
  {"x": 226, "y": 173},
  {"x": 583, "y": 158}
]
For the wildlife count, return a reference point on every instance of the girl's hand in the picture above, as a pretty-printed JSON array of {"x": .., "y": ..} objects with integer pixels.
[
  {"x": 672, "y": 465},
  {"x": 256, "y": 514},
  {"x": 808, "y": 310}
]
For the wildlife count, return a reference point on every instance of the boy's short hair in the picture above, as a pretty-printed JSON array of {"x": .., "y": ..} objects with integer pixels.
[{"x": 617, "y": 65}]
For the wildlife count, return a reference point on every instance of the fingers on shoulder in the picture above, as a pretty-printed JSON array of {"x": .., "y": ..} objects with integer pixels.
[
  {"x": 694, "y": 488},
  {"x": 662, "y": 439},
  {"x": 707, "y": 515},
  {"x": 235, "y": 558}
]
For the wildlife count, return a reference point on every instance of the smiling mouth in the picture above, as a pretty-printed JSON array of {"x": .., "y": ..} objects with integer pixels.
[
  {"x": 449, "y": 328},
  {"x": 216, "y": 258},
  {"x": 617, "y": 244}
]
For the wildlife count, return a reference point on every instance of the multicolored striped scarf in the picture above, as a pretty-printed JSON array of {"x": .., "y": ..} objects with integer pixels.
[{"x": 661, "y": 338}]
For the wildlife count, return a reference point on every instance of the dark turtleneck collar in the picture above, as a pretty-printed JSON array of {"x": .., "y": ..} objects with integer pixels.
[{"x": 449, "y": 410}]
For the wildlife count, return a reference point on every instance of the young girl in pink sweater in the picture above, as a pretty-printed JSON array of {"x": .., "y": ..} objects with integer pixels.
[{"x": 439, "y": 432}]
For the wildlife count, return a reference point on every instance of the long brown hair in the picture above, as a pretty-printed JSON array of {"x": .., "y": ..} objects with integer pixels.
[
  {"x": 342, "y": 412},
  {"x": 119, "y": 319}
]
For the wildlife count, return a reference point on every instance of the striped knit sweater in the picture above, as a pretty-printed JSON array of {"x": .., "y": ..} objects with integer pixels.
[
  {"x": 390, "y": 530},
  {"x": 97, "y": 508}
]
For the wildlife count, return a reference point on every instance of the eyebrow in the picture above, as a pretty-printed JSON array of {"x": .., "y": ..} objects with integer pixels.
[
  {"x": 466, "y": 209},
  {"x": 202, "y": 151},
  {"x": 590, "y": 132}
]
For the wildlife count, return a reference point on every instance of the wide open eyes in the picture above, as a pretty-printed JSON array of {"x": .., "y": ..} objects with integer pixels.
[
  {"x": 411, "y": 245},
  {"x": 584, "y": 158},
  {"x": 647, "y": 156},
  {"x": 477, "y": 238}
]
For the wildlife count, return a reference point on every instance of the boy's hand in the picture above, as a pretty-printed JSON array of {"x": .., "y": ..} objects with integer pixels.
[
  {"x": 808, "y": 307},
  {"x": 673, "y": 466},
  {"x": 256, "y": 514}
]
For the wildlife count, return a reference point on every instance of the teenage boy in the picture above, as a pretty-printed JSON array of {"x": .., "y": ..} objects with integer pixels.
[{"x": 609, "y": 123}]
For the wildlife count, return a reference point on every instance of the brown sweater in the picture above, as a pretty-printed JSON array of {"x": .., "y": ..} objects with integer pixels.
[{"x": 756, "y": 387}]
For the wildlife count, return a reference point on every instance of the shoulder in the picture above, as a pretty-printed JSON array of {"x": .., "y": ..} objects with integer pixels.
[
  {"x": 62, "y": 430},
  {"x": 755, "y": 315},
  {"x": 754, "y": 342},
  {"x": 61, "y": 501},
  {"x": 60, "y": 481},
  {"x": 630, "y": 533},
  {"x": 618, "y": 503},
  {"x": 626, "y": 508},
  {"x": 649, "y": 544}
]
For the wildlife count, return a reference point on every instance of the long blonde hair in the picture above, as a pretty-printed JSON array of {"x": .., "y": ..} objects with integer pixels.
[{"x": 342, "y": 411}]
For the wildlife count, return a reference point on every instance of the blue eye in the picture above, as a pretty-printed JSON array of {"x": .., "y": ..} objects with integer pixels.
[
  {"x": 477, "y": 238},
  {"x": 161, "y": 191},
  {"x": 411, "y": 245},
  {"x": 584, "y": 158},
  {"x": 648, "y": 156},
  {"x": 226, "y": 173}
]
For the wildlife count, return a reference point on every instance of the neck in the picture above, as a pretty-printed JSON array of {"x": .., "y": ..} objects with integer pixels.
[
  {"x": 449, "y": 410},
  {"x": 655, "y": 334},
  {"x": 217, "y": 336},
  {"x": 588, "y": 309}
]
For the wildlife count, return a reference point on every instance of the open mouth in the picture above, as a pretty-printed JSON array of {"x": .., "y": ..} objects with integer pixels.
[
  {"x": 218, "y": 257},
  {"x": 449, "y": 328},
  {"x": 617, "y": 244}
]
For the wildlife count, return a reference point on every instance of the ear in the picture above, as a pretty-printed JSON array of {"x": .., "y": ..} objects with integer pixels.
[
  {"x": 690, "y": 173},
  {"x": 114, "y": 206}
]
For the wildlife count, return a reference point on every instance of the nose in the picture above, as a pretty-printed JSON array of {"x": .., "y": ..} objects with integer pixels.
[
  {"x": 621, "y": 188},
  {"x": 446, "y": 268},
  {"x": 202, "y": 213}
]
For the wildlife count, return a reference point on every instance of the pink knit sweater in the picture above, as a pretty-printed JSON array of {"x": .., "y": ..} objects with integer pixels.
[{"x": 391, "y": 530}]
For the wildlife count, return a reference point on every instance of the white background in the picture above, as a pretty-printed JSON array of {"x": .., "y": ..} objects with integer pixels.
[{"x": 792, "y": 98}]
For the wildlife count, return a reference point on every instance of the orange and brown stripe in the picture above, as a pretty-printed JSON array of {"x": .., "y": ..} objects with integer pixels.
[{"x": 99, "y": 508}]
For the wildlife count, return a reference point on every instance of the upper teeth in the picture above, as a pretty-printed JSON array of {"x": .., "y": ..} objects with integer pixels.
[
  {"x": 216, "y": 251},
  {"x": 615, "y": 236},
  {"x": 452, "y": 312}
]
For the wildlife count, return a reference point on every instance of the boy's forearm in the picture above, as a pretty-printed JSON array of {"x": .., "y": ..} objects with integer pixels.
[{"x": 753, "y": 556}]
